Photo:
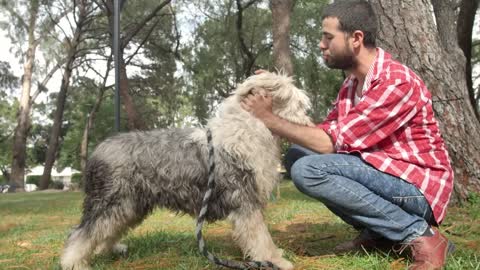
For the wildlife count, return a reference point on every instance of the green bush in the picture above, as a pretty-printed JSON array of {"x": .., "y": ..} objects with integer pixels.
[
  {"x": 34, "y": 179},
  {"x": 3, "y": 180},
  {"x": 77, "y": 178},
  {"x": 56, "y": 185}
]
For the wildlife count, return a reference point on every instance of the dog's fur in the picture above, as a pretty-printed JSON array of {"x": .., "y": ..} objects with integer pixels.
[{"x": 130, "y": 174}]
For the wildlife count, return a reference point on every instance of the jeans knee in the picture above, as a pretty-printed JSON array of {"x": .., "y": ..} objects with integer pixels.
[
  {"x": 294, "y": 153},
  {"x": 304, "y": 176},
  {"x": 296, "y": 174}
]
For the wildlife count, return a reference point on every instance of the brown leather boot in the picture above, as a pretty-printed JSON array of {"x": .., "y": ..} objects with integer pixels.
[
  {"x": 430, "y": 252},
  {"x": 364, "y": 241}
]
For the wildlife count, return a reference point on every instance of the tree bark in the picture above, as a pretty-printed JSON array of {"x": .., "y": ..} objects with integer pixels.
[
  {"x": 62, "y": 95},
  {"x": 281, "y": 13},
  {"x": 19, "y": 151},
  {"x": 408, "y": 30}
]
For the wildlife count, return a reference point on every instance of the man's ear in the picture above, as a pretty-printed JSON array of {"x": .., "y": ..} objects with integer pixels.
[{"x": 357, "y": 38}]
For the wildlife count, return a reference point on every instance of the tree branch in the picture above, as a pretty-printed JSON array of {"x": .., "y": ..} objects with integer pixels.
[
  {"x": 41, "y": 86},
  {"x": 128, "y": 37},
  {"x": 14, "y": 14},
  {"x": 177, "y": 34},
  {"x": 142, "y": 42}
]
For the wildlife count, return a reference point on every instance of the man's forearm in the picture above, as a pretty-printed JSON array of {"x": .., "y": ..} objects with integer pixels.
[{"x": 315, "y": 139}]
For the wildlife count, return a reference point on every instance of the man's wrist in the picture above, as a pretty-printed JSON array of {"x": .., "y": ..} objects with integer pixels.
[{"x": 272, "y": 121}]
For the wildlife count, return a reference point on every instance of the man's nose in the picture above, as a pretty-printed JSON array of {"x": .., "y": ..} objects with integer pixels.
[{"x": 322, "y": 45}]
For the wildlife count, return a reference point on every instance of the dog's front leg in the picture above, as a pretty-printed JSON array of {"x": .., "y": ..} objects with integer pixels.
[{"x": 253, "y": 237}]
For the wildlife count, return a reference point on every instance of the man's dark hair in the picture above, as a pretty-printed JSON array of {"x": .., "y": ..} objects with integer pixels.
[{"x": 354, "y": 15}]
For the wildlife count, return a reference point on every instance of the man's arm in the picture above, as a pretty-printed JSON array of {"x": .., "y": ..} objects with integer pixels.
[{"x": 313, "y": 138}]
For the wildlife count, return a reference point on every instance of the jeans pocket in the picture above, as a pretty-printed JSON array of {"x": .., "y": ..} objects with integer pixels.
[{"x": 416, "y": 205}]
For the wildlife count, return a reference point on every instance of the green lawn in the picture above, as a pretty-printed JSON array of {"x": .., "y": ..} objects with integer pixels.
[{"x": 33, "y": 227}]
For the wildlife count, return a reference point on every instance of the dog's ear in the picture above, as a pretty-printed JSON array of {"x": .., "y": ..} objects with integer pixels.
[{"x": 290, "y": 102}]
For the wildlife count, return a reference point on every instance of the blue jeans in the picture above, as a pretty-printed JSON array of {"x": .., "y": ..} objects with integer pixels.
[{"x": 361, "y": 195}]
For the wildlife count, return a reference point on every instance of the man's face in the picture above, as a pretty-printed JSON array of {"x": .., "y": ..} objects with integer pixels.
[{"x": 335, "y": 46}]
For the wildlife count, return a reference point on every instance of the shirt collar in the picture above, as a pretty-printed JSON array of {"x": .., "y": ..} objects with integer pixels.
[{"x": 375, "y": 69}]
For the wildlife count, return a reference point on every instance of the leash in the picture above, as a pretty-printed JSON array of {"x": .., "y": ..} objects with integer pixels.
[{"x": 201, "y": 218}]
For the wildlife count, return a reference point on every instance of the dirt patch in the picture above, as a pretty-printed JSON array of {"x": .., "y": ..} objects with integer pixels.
[{"x": 7, "y": 227}]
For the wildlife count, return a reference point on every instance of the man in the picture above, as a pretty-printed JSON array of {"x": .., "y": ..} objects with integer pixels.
[{"x": 378, "y": 160}]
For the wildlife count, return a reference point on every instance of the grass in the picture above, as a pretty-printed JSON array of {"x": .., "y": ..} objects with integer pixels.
[{"x": 33, "y": 227}]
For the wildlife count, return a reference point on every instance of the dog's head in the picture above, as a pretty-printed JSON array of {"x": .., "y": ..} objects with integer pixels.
[{"x": 289, "y": 102}]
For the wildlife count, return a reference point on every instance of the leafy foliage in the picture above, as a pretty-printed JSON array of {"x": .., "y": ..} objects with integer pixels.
[
  {"x": 215, "y": 61},
  {"x": 181, "y": 65},
  {"x": 33, "y": 179},
  {"x": 8, "y": 109}
]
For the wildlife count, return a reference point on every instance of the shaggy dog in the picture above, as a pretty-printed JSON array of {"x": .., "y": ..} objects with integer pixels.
[{"x": 130, "y": 174}]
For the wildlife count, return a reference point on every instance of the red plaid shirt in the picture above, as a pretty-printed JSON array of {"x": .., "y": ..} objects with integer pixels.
[{"x": 393, "y": 128}]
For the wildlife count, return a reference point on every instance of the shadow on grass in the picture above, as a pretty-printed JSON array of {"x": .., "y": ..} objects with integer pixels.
[
  {"x": 298, "y": 240},
  {"x": 312, "y": 239},
  {"x": 176, "y": 248},
  {"x": 320, "y": 239}
]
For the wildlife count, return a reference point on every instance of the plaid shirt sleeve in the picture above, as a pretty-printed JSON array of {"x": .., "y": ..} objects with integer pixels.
[
  {"x": 385, "y": 107},
  {"x": 329, "y": 125}
]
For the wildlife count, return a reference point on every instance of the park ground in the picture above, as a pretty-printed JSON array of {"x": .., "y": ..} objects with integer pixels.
[{"x": 33, "y": 227}]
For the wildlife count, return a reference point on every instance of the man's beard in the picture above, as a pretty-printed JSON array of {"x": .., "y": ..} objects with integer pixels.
[{"x": 344, "y": 60}]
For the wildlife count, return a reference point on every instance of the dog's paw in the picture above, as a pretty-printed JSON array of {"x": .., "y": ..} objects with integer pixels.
[
  {"x": 283, "y": 263},
  {"x": 120, "y": 249}
]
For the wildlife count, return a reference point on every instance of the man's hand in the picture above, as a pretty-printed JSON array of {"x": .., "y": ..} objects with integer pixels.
[
  {"x": 260, "y": 105},
  {"x": 260, "y": 71}
]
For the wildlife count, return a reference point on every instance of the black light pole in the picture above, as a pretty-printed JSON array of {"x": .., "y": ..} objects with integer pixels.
[{"x": 116, "y": 52}]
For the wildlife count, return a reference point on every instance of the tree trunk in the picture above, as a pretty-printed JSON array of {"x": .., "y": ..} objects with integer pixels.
[
  {"x": 281, "y": 12},
  {"x": 86, "y": 131},
  {"x": 408, "y": 30},
  {"x": 466, "y": 19},
  {"x": 62, "y": 97},
  {"x": 134, "y": 122},
  {"x": 91, "y": 119},
  {"x": 57, "y": 127},
  {"x": 19, "y": 151}
]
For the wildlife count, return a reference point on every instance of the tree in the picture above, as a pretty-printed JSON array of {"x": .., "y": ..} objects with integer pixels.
[
  {"x": 216, "y": 60},
  {"x": 83, "y": 13},
  {"x": 281, "y": 12},
  {"x": 28, "y": 21},
  {"x": 92, "y": 116},
  {"x": 466, "y": 19},
  {"x": 8, "y": 81},
  {"x": 229, "y": 43},
  {"x": 427, "y": 42},
  {"x": 320, "y": 82},
  {"x": 147, "y": 23}
]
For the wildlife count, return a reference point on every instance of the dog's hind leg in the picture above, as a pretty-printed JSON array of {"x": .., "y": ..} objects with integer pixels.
[
  {"x": 101, "y": 228},
  {"x": 253, "y": 237},
  {"x": 77, "y": 250}
]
